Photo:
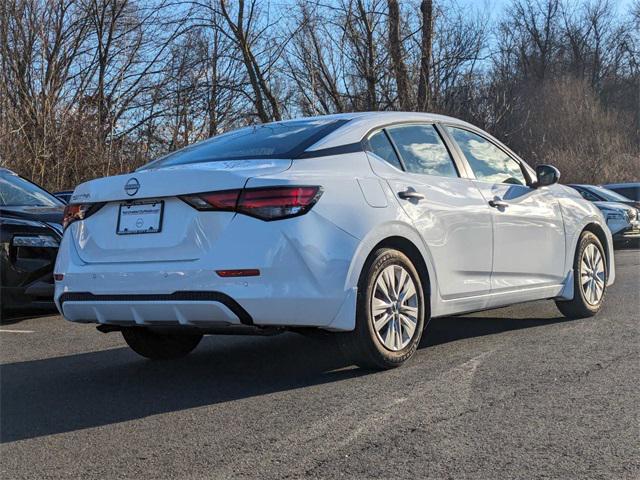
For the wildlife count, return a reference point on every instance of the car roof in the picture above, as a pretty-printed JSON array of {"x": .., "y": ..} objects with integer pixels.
[
  {"x": 361, "y": 123},
  {"x": 622, "y": 185},
  {"x": 6, "y": 171}
]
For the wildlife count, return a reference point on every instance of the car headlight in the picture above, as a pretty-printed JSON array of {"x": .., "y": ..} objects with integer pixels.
[{"x": 46, "y": 241}]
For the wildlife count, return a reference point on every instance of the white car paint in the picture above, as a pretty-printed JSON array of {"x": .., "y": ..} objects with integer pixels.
[{"x": 476, "y": 256}]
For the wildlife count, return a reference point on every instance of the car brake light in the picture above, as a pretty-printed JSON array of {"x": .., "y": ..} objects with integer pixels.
[
  {"x": 265, "y": 203},
  {"x": 275, "y": 203},
  {"x": 78, "y": 211},
  {"x": 225, "y": 200}
]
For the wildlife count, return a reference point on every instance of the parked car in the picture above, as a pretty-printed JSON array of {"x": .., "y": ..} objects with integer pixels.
[
  {"x": 595, "y": 193},
  {"x": 30, "y": 233},
  {"x": 629, "y": 190},
  {"x": 64, "y": 195},
  {"x": 621, "y": 216},
  {"x": 362, "y": 224}
]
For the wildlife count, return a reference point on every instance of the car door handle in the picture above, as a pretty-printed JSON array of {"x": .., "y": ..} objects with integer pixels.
[
  {"x": 410, "y": 194},
  {"x": 498, "y": 204}
]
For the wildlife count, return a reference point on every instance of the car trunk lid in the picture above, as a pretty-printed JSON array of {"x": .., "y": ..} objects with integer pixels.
[{"x": 182, "y": 233}]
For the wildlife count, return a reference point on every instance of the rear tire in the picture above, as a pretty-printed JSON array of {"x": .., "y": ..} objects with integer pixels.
[
  {"x": 590, "y": 273},
  {"x": 388, "y": 326},
  {"x": 160, "y": 346}
]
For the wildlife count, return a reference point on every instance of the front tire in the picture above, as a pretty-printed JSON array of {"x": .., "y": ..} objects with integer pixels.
[
  {"x": 390, "y": 312},
  {"x": 160, "y": 346},
  {"x": 590, "y": 272}
]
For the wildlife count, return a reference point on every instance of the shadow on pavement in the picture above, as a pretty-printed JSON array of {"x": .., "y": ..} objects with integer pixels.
[
  {"x": 63, "y": 394},
  {"x": 10, "y": 318},
  {"x": 450, "y": 329}
]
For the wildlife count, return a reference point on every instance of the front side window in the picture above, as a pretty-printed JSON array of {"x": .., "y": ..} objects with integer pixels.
[
  {"x": 380, "y": 145},
  {"x": 488, "y": 162},
  {"x": 15, "y": 191},
  {"x": 422, "y": 150},
  {"x": 270, "y": 140}
]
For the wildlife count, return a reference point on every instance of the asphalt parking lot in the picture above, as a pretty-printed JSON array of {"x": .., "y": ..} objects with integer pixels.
[{"x": 518, "y": 392}]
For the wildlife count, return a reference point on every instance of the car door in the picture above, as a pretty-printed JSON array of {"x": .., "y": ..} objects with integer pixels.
[
  {"x": 528, "y": 231},
  {"x": 447, "y": 210}
]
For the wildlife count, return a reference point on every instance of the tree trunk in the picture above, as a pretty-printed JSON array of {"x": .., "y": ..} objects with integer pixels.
[
  {"x": 424, "y": 84},
  {"x": 397, "y": 58}
]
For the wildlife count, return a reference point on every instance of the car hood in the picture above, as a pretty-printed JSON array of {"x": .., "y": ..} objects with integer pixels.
[
  {"x": 612, "y": 206},
  {"x": 39, "y": 214}
]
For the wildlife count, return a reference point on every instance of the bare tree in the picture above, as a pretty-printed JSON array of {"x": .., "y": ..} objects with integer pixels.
[
  {"x": 241, "y": 27},
  {"x": 397, "y": 55},
  {"x": 426, "y": 9}
]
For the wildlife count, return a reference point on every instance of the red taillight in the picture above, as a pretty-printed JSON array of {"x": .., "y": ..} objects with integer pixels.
[
  {"x": 224, "y": 200},
  {"x": 78, "y": 211},
  {"x": 275, "y": 203},
  {"x": 71, "y": 213},
  {"x": 267, "y": 203}
]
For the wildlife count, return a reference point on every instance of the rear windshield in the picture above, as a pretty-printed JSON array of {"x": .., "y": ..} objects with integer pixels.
[
  {"x": 270, "y": 140},
  {"x": 15, "y": 191}
]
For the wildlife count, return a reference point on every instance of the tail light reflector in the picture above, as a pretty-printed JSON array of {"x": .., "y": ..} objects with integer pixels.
[{"x": 249, "y": 272}]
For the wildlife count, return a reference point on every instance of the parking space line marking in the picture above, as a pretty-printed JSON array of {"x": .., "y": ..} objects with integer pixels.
[{"x": 15, "y": 331}]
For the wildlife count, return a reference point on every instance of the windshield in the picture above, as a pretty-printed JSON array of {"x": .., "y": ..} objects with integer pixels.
[
  {"x": 266, "y": 141},
  {"x": 608, "y": 195},
  {"x": 15, "y": 191}
]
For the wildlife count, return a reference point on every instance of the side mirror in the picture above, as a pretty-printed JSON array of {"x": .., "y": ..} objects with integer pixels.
[{"x": 547, "y": 175}]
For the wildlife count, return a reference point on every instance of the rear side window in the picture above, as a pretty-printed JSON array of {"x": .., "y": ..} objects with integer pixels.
[
  {"x": 488, "y": 162},
  {"x": 270, "y": 140},
  {"x": 380, "y": 145},
  {"x": 422, "y": 150}
]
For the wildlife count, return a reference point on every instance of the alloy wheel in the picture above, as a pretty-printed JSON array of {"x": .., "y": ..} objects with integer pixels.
[
  {"x": 592, "y": 274},
  {"x": 394, "y": 308}
]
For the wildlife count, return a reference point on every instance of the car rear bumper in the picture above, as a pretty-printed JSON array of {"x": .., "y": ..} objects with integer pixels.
[
  {"x": 303, "y": 264},
  {"x": 179, "y": 308}
]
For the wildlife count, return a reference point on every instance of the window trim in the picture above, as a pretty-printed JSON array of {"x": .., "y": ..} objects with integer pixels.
[
  {"x": 524, "y": 168},
  {"x": 367, "y": 149},
  {"x": 458, "y": 167}
]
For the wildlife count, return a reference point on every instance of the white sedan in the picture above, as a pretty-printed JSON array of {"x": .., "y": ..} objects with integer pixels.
[{"x": 362, "y": 224}]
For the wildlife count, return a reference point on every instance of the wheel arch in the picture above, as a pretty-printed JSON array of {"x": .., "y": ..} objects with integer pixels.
[
  {"x": 401, "y": 237},
  {"x": 599, "y": 232},
  {"x": 394, "y": 234},
  {"x": 408, "y": 248}
]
